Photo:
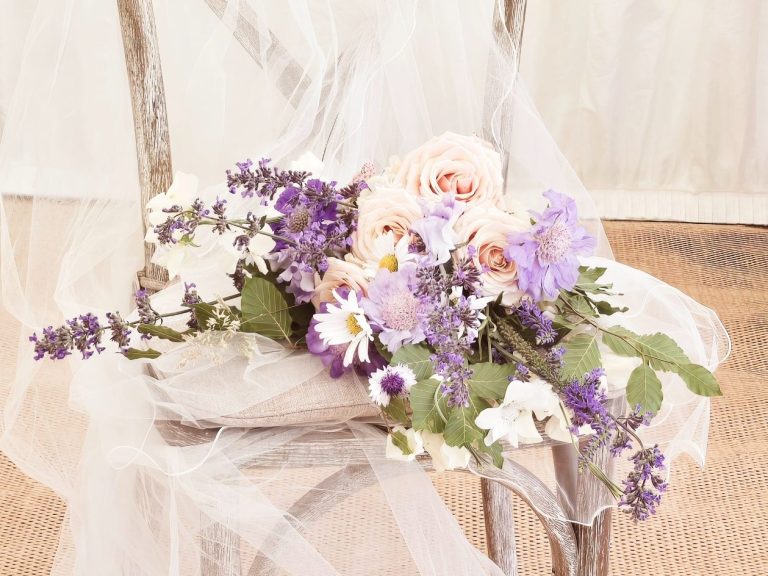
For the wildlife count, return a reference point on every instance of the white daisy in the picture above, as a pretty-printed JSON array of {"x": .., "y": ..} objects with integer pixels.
[
  {"x": 388, "y": 254},
  {"x": 390, "y": 381},
  {"x": 345, "y": 323}
]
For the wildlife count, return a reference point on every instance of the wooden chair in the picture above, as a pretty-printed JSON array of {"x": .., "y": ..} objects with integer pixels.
[{"x": 576, "y": 549}]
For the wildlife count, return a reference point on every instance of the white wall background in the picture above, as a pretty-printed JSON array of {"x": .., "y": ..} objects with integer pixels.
[{"x": 660, "y": 105}]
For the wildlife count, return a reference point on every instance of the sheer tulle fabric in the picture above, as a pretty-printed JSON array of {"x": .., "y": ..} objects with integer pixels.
[{"x": 350, "y": 82}]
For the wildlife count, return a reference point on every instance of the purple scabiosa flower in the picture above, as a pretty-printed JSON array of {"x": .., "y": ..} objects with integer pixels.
[
  {"x": 546, "y": 255},
  {"x": 645, "y": 484},
  {"x": 390, "y": 382},
  {"x": 299, "y": 277},
  {"x": 394, "y": 309},
  {"x": 436, "y": 229},
  {"x": 531, "y": 317}
]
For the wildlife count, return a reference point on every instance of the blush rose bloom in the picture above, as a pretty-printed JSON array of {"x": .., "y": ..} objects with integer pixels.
[
  {"x": 487, "y": 229},
  {"x": 463, "y": 165},
  {"x": 387, "y": 208},
  {"x": 341, "y": 273}
]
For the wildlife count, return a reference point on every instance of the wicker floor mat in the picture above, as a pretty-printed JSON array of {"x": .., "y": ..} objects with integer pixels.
[{"x": 714, "y": 521}]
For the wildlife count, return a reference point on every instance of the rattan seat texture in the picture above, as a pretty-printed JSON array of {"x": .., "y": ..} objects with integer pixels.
[{"x": 712, "y": 522}]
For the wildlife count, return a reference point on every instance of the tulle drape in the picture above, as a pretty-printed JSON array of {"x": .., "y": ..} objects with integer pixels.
[{"x": 351, "y": 83}]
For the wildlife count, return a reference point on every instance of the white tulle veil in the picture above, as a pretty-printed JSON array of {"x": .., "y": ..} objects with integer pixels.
[{"x": 350, "y": 82}]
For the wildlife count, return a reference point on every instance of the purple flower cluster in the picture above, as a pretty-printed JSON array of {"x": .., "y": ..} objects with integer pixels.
[
  {"x": 147, "y": 314},
  {"x": 546, "y": 255},
  {"x": 587, "y": 401},
  {"x": 531, "y": 317},
  {"x": 120, "y": 330},
  {"x": 191, "y": 298},
  {"x": 452, "y": 326},
  {"x": 645, "y": 484},
  {"x": 81, "y": 333},
  {"x": 262, "y": 180}
]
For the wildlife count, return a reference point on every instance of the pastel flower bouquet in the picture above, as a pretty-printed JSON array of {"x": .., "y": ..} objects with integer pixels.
[{"x": 475, "y": 324}]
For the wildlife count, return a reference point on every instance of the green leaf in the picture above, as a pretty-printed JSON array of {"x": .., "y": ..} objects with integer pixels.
[
  {"x": 580, "y": 303},
  {"x": 204, "y": 312},
  {"x": 427, "y": 405},
  {"x": 416, "y": 357},
  {"x": 644, "y": 388},
  {"x": 606, "y": 309},
  {"x": 494, "y": 451},
  {"x": 136, "y": 353},
  {"x": 461, "y": 430},
  {"x": 162, "y": 332},
  {"x": 659, "y": 350},
  {"x": 663, "y": 352},
  {"x": 581, "y": 355},
  {"x": 699, "y": 380},
  {"x": 490, "y": 380},
  {"x": 588, "y": 275},
  {"x": 301, "y": 316},
  {"x": 396, "y": 410},
  {"x": 382, "y": 349},
  {"x": 265, "y": 310},
  {"x": 401, "y": 441}
]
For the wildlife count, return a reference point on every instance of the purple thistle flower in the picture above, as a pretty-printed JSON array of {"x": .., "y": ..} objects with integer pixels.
[
  {"x": 546, "y": 256},
  {"x": 644, "y": 486},
  {"x": 531, "y": 317}
]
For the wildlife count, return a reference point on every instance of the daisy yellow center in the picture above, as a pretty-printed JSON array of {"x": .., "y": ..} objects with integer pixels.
[
  {"x": 554, "y": 243},
  {"x": 389, "y": 262},
  {"x": 353, "y": 325}
]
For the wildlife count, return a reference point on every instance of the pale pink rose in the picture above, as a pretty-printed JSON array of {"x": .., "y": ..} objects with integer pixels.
[
  {"x": 340, "y": 273},
  {"x": 386, "y": 208},
  {"x": 464, "y": 165},
  {"x": 487, "y": 229}
]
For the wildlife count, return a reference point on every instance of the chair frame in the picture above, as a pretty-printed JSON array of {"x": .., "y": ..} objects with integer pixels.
[{"x": 577, "y": 550}]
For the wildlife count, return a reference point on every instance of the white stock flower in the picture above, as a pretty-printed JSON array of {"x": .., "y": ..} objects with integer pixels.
[
  {"x": 345, "y": 323},
  {"x": 513, "y": 418},
  {"x": 308, "y": 162},
  {"x": 415, "y": 445},
  {"x": 444, "y": 457}
]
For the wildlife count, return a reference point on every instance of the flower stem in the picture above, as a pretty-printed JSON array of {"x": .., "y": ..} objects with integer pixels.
[{"x": 509, "y": 335}]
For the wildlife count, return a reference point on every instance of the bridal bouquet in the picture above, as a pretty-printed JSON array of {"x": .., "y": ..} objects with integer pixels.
[{"x": 472, "y": 320}]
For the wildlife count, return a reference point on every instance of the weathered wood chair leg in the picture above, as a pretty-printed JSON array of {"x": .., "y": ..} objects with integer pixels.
[
  {"x": 499, "y": 525},
  {"x": 220, "y": 551}
]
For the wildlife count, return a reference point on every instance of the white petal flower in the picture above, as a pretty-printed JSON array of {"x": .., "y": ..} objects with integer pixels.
[
  {"x": 390, "y": 381},
  {"x": 444, "y": 457},
  {"x": 308, "y": 162},
  {"x": 415, "y": 445},
  {"x": 388, "y": 253},
  {"x": 182, "y": 192},
  {"x": 346, "y": 323},
  {"x": 513, "y": 418}
]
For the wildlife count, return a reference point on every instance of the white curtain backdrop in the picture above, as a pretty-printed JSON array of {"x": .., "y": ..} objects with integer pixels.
[{"x": 661, "y": 106}]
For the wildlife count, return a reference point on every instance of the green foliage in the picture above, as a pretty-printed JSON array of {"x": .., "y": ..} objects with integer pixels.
[
  {"x": 644, "y": 388},
  {"x": 136, "y": 353},
  {"x": 461, "y": 430},
  {"x": 490, "y": 380},
  {"x": 265, "y": 310},
  {"x": 162, "y": 332},
  {"x": 494, "y": 451},
  {"x": 416, "y": 357},
  {"x": 401, "y": 441},
  {"x": 397, "y": 411},
  {"x": 428, "y": 406},
  {"x": 699, "y": 380},
  {"x": 581, "y": 355}
]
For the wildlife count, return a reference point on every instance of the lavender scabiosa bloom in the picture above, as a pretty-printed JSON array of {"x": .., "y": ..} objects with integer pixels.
[
  {"x": 120, "y": 330},
  {"x": 394, "y": 309},
  {"x": 532, "y": 317},
  {"x": 147, "y": 314},
  {"x": 436, "y": 229},
  {"x": 645, "y": 484},
  {"x": 546, "y": 255}
]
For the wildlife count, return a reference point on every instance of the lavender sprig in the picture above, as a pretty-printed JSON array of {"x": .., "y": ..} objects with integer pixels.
[
  {"x": 531, "y": 317},
  {"x": 645, "y": 484}
]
